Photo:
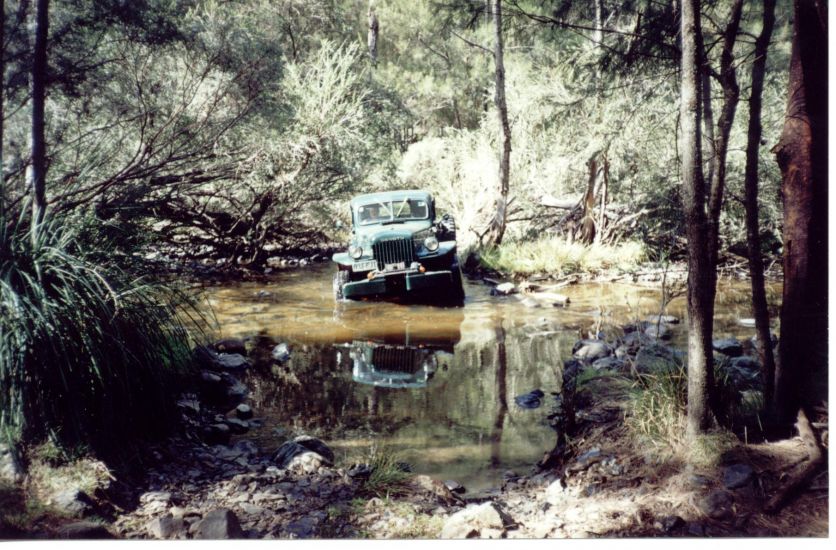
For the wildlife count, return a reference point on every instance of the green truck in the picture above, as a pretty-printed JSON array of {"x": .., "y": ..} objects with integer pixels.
[{"x": 399, "y": 248}]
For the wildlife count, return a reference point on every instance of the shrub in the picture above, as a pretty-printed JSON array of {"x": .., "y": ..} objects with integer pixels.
[
  {"x": 90, "y": 355},
  {"x": 555, "y": 255}
]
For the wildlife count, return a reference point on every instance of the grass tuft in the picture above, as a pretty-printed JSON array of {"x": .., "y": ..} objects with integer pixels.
[
  {"x": 90, "y": 355},
  {"x": 657, "y": 410},
  {"x": 555, "y": 256}
]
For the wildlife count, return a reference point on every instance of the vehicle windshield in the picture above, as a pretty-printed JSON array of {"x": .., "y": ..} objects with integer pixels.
[{"x": 392, "y": 211}]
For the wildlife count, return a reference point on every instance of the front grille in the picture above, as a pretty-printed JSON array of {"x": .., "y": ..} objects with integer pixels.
[
  {"x": 393, "y": 251},
  {"x": 395, "y": 359}
]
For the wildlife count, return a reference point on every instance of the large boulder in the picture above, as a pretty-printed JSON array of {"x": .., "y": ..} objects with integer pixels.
[
  {"x": 166, "y": 527},
  {"x": 218, "y": 524},
  {"x": 728, "y": 346},
  {"x": 590, "y": 350},
  {"x": 476, "y": 521},
  {"x": 11, "y": 469},
  {"x": 657, "y": 359}
]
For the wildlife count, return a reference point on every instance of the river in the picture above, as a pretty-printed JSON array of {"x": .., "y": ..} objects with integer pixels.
[{"x": 433, "y": 385}]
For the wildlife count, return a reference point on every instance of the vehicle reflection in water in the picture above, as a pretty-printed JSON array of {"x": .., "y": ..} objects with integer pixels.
[
  {"x": 357, "y": 376},
  {"x": 391, "y": 366}
]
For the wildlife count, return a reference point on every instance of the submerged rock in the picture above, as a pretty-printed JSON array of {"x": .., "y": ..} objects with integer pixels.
[{"x": 530, "y": 400}]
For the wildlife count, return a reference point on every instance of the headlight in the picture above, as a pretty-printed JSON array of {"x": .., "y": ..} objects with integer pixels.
[
  {"x": 356, "y": 251},
  {"x": 431, "y": 243}
]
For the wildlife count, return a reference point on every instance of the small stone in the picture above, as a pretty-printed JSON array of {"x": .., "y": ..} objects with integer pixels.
[
  {"x": 166, "y": 527},
  {"x": 591, "y": 350},
  {"x": 85, "y": 530},
  {"x": 737, "y": 476},
  {"x": 280, "y": 353},
  {"x": 244, "y": 412},
  {"x": 231, "y": 345},
  {"x": 504, "y": 289},
  {"x": 717, "y": 505},
  {"x": 455, "y": 486},
  {"x": 218, "y": 524}
]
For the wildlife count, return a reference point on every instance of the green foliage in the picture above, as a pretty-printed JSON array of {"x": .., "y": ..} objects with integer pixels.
[
  {"x": 89, "y": 354},
  {"x": 556, "y": 256},
  {"x": 387, "y": 477},
  {"x": 656, "y": 413}
]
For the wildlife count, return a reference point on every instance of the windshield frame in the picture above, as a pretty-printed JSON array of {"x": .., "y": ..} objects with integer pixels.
[{"x": 389, "y": 211}]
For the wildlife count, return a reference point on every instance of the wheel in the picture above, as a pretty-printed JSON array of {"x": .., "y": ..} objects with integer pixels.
[
  {"x": 340, "y": 279},
  {"x": 457, "y": 286}
]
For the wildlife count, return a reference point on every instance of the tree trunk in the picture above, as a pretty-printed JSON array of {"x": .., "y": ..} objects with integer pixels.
[
  {"x": 2, "y": 110},
  {"x": 497, "y": 228},
  {"x": 700, "y": 367},
  {"x": 731, "y": 94},
  {"x": 37, "y": 169},
  {"x": 759, "y": 306},
  {"x": 801, "y": 373},
  {"x": 374, "y": 29}
]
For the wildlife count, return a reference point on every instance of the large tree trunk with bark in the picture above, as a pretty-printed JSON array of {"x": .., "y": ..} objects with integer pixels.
[
  {"x": 801, "y": 374},
  {"x": 36, "y": 175},
  {"x": 700, "y": 362},
  {"x": 496, "y": 231},
  {"x": 2, "y": 110},
  {"x": 753, "y": 243}
]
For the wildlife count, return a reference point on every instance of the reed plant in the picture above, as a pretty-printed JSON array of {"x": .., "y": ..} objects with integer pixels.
[{"x": 91, "y": 353}]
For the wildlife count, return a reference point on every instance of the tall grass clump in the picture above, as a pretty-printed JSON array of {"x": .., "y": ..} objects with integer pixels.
[
  {"x": 90, "y": 355},
  {"x": 657, "y": 409},
  {"x": 555, "y": 255}
]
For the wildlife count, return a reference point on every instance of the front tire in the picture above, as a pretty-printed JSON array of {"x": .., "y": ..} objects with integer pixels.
[{"x": 340, "y": 279}]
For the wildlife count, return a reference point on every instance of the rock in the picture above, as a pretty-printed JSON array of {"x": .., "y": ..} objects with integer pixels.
[
  {"x": 656, "y": 359},
  {"x": 11, "y": 470},
  {"x": 237, "y": 426},
  {"x": 504, "y": 289},
  {"x": 217, "y": 434},
  {"x": 609, "y": 363},
  {"x": 426, "y": 484},
  {"x": 246, "y": 447},
  {"x": 305, "y": 453},
  {"x": 737, "y": 476},
  {"x": 210, "y": 378},
  {"x": 244, "y": 412},
  {"x": 231, "y": 345},
  {"x": 717, "y": 505},
  {"x": 666, "y": 319},
  {"x": 155, "y": 496},
  {"x": 591, "y": 350},
  {"x": 556, "y": 492},
  {"x": 455, "y": 487},
  {"x": 305, "y": 527},
  {"x": 204, "y": 357},
  {"x": 166, "y": 527},
  {"x": 73, "y": 502},
  {"x": 772, "y": 336},
  {"x": 88, "y": 530},
  {"x": 232, "y": 361},
  {"x": 661, "y": 332},
  {"x": 475, "y": 520},
  {"x": 728, "y": 346},
  {"x": 669, "y": 523},
  {"x": 743, "y": 372},
  {"x": 218, "y": 524},
  {"x": 190, "y": 406},
  {"x": 404, "y": 467},
  {"x": 587, "y": 459},
  {"x": 530, "y": 400},
  {"x": 746, "y": 322},
  {"x": 359, "y": 471},
  {"x": 280, "y": 353}
]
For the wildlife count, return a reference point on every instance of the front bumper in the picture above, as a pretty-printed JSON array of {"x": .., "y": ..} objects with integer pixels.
[{"x": 399, "y": 283}]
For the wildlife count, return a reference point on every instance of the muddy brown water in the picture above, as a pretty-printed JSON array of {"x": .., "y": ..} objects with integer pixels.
[{"x": 435, "y": 386}]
